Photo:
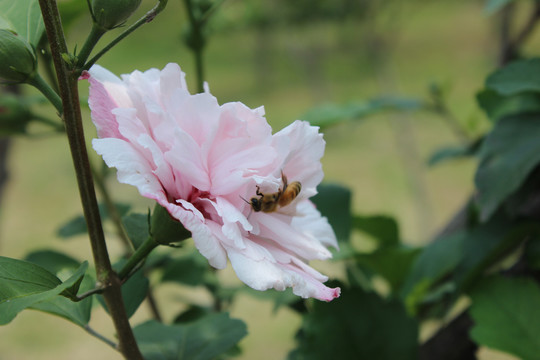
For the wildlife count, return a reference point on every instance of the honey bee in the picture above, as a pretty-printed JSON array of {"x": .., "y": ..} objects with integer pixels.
[{"x": 269, "y": 202}]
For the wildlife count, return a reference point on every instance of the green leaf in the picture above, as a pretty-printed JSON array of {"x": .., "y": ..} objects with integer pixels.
[
  {"x": 509, "y": 153},
  {"x": 436, "y": 260},
  {"x": 332, "y": 114},
  {"x": 357, "y": 325},
  {"x": 203, "y": 339},
  {"x": 518, "y": 76},
  {"x": 58, "y": 263},
  {"x": 136, "y": 227},
  {"x": 334, "y": 202},
  {"x": 507, "y": 316},
  {"x": 488, "y": 243},
  {"x": 382, "y": 228},
  {"x": 77, "y": 225},
  {"x": 392, "y": 263},
  {"x": 24, "y": 18},
  {"x": 498, "y": 106},
  {"x": 455, "y": 152},
  {"x": 76, "y": 312},
  {"x": 191, "y": 269},
  {"x": 23, "y": 284},
  {"x": 52, "y": 260}
]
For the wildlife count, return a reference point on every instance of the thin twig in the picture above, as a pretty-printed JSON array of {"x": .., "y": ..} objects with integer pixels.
[{"x": 100, "y": 337}]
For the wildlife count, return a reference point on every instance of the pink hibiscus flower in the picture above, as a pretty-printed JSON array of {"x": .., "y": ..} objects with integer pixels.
[{"x": 201, "y": 160}]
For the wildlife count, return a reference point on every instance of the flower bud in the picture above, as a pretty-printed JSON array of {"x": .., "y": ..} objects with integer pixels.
[
  {"x": 164, "y": 229},
  {"x": 14, "y": 115},
  {"x": 17, "y": 58},
  {"x": 113, "y": 13}
]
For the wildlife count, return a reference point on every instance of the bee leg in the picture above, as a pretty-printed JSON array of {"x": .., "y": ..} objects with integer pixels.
[
  {"x": 258, "y": 192},
  {"x": 284, "y": 179}
]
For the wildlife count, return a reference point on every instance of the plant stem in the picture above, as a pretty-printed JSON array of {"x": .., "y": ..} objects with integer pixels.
[
  {"x": 150, "y": 15},
  {"x": 140, "y": 254},
  {"x": 67, "y": 82},
  {"x": 196, "y": 43},
  {"x": 95, "y": 34},
  {"x": 40, "y": 84},
  {"x": 97, "y": 335}
]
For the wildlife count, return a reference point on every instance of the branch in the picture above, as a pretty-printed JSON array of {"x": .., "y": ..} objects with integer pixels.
[{"x": 67, "y": 81}]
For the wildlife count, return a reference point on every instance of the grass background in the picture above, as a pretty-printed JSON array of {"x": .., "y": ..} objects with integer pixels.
[{"x": 288, "y": 69}]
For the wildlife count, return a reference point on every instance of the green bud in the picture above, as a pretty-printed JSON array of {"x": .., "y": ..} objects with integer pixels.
[
  {"x": 14, "y": 115},
  {"x": 164, "y": 229},
  {"x": 18, "y": 60},
  {"x": 113, "y": 13}
]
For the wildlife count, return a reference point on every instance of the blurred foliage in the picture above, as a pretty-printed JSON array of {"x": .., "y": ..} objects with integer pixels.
[{"x": 500, "y": 233}]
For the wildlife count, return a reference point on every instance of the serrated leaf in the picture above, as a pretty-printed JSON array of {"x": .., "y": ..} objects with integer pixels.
[
  {"x": 23, "y": 17},
  {"x": 516, "y": 77},
  {"x": 203, "y": 339},
  {"x": 508, "y": 155},
  {"x": 506, "y": 316},
  {"x": 357, "y": 325},
  {"x": 23, "y": 284},
  {"x": 334, "y": 202}
]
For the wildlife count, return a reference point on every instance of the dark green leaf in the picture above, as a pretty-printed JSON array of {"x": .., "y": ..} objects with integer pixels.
[
  {"x": 331, "y": 114},
  {"x": 334, "y": 202},
  {"x": 77, "y": 225},
  {"x": 203, "y": 339},
  {"x": 23, "y": 284},
  {"x": 357, "y": 325},
  {"x": 498, "y": 106},
  {"x": 509, "y": 153},
  {"x": 436, "y": 260},
  {"x": 382, "y": 228},
  {"x": 507, "y": 316},
  {"x": 488, "y": 243},
  {"x": 532, "y": 253},
  {"x": 191, "y": 269},
  {"x": 455, "y": 152},
  {"x": 392, "y": 263},
  {"x": 52, "y": 260},
  {"x": 23, "y": 17},
  {"x": 76, "y": 312},
  {"x": 136, "y": 227},
  {"x": 518, "y": 76}
]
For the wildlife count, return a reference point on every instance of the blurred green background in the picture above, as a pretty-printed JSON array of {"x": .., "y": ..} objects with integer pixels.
[{"x": 280, "y": 55}]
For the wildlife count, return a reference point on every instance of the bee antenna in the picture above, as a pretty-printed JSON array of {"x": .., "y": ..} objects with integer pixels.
[{"x": 245, "y": 200}]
